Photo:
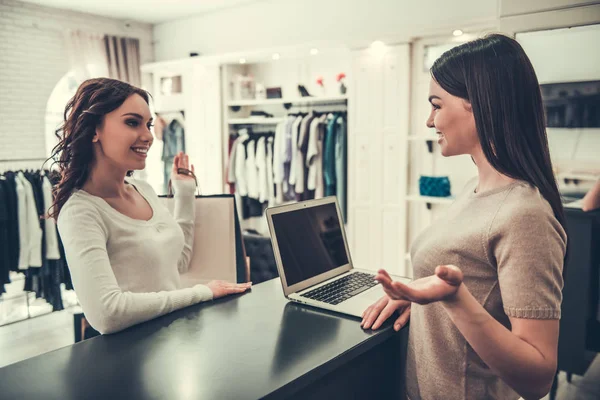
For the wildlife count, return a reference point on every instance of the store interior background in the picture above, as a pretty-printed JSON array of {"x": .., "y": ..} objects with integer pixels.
[{"x": 384, "y": 48}]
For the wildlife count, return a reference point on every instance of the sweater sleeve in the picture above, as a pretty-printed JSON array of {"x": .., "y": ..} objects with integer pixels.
[
  {"x": 184, "y": 214},
  {"x": 529, "y": 244},
  {"x": 108, "y": 308}
]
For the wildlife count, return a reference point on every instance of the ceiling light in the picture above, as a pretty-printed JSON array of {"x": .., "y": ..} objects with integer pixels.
[
  {"x": 377, "y": 45},
  {"x": 275, "y": 56},
  {"x": 314, "y": 52},
  {"x": 242, "y": 61},
  {"x": 457, "y": 32}
]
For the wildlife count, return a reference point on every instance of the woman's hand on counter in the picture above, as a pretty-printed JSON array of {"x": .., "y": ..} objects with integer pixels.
[
  {"x": 443, "y": 285},
  {"x": 223, "y": 288},
  {"x": 378, "y": 313}
]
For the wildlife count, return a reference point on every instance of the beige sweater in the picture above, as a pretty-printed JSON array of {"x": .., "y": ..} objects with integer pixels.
[{"x": 510, "y": 248}]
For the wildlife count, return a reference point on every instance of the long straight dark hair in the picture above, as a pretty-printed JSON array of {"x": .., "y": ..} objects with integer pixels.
[{"x": 495, "y": 75}]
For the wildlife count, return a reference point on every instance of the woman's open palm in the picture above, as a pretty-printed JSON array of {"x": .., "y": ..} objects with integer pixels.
[{"x": 441, "y": 286}]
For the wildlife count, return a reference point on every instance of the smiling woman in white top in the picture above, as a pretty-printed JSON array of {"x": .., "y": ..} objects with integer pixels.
[{"x": 124, "y": 249}]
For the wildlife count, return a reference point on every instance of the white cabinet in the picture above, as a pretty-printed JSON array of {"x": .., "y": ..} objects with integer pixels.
[
  {"x": 377, "y": 157},
  {"x": 204, "y": 140},
  {"x": 193, "y": 89}
]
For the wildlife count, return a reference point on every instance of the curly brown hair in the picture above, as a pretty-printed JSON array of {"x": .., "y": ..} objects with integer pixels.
[{"x": 83, "y": 114}]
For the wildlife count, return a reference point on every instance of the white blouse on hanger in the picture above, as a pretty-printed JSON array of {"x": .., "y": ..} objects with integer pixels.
[{"x": 52, "y": 251}]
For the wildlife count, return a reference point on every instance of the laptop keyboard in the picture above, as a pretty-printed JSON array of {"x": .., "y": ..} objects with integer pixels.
[{"x": 342, "y": 289}]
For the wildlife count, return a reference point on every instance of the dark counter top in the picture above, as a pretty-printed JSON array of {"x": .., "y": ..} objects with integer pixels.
[{"x": 244, "y": 347}]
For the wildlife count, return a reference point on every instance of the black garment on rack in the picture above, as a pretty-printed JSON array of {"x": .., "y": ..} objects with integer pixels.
[
  {"x": 4, "y": 256},
  {"x": 62, "y": 266},
  {"x": 11, "y": 201},
  {"x": 44, "y": 281}
]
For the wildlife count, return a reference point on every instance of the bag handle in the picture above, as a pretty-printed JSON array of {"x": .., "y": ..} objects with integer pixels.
[{"x": 183, "y": 171}]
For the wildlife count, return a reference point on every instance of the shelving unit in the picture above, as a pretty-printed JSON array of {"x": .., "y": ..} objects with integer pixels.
[
  {"x": 297, "y": 100},
  {"x": 254, "y": 121},
  {"x": 578, "y": 176}
]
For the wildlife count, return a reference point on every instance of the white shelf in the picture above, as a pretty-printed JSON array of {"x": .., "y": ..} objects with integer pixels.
[
  {"x": 297, "y": 100},
  {"x": 422, "y": 138},
  {"x": 578, "y": 176},
  {"x": 429, "y": 199},
  {"x": 254, "y": 121}
]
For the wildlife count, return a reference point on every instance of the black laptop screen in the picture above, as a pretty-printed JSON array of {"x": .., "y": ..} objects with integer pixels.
[{"x": 310, "y": 242}]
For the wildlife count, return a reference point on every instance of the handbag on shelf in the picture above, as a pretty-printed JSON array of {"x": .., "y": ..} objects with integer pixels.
[
  {"x": 434, "y": 186},
  {"x": 218, "y": 250}
]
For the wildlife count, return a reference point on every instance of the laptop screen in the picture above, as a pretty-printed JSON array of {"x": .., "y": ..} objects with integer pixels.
[{"x": 310, "y": 242}]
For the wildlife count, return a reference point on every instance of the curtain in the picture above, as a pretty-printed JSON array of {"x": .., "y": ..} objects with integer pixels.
[
  {"x": 123, "y": 56},
  {"x": 86, "y": 54}
]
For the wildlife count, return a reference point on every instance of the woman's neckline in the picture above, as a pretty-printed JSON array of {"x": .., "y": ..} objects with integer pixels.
[
  {"x": 500, "y": 189},
  {"x": 104, "y": 204}
]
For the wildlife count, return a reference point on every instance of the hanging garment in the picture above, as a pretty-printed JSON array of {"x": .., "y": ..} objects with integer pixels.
[
  {"x": 314, "y": 157},
  {"x": 173, "y": 143},
  {"x": 23, "y": 227},
  {"x": 294, "y": 154},
  {"x": 4, "y": 250},
  {"x": 159, "y": 127},
  {"x": 230, "y": 172},
  {"x": 278, "y": 145},
  {"x": 240, "y": 166},
  {"x": 301, "y": 171},
  {"x": 52, "y": 252},
  {"x": 35, "y": 180},
  {"x": 251, "y": 171},
  {"x": 261, "y": 169},
  {"x": 32, "y": 226},
  {"x": 270, "y": 174},
  {"x": 329, "y": 156},
  {"x": 288, "y": 188},
  {"x": 13, "y": 221},
  {"x": 341, "y": 155}
]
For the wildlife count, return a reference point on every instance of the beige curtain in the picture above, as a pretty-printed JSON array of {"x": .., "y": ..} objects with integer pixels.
[
  {"x": 123, "y": 56},
  {"x": 87, "y": 55}
]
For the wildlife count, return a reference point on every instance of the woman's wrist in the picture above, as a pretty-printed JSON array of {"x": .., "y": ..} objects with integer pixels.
[
  {"x": 184, "y": 187},
  {"x": 455, "y": 299}
]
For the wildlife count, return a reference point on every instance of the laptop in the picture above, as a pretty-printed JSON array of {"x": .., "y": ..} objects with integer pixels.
[{"x": 313, "y": 260}]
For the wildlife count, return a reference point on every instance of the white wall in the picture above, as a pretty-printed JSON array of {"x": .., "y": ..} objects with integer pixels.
[
  {"x": 273, "y": 23},
  {"x": 568, "y": 55},
  {"x": 33, "y": 59}
]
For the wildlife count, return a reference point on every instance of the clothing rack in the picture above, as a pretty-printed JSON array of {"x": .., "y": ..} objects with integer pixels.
[
  {"x": 24, "y": 159},
  {"x": 52, "y": 288},
  {"x": 22, "y": 163}
]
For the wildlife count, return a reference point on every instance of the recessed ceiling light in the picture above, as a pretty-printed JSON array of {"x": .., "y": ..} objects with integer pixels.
[
  {"x": 275, "y": 56},
  {"x": 314, "y": 52},
  {"x": 242, "y": 61},
  {"x": 457, "y": 32},
  {"x": 377, "y": 45}
]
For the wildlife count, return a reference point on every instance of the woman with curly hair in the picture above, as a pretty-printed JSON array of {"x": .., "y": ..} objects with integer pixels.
[{"x": 124, "y": 249}]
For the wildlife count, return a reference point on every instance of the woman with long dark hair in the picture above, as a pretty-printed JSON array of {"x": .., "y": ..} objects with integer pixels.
[
  {"x": 485, "y": 302},
  {"x": 125, "y": 251}
]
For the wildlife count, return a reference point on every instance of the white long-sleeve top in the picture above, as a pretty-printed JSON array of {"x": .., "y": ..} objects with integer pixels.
[
  {"x": 126, "y": 271},
  {"x": 32, "y": 226},
  {"x": 251, "y": 171},
  {"x": 270, "y": 183},
  {"x": 261, "y": 170},
  {"x": 22, "y": 218},
  {"x": 241, "y": 180},
  {"x": 52, "y": 251}
]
